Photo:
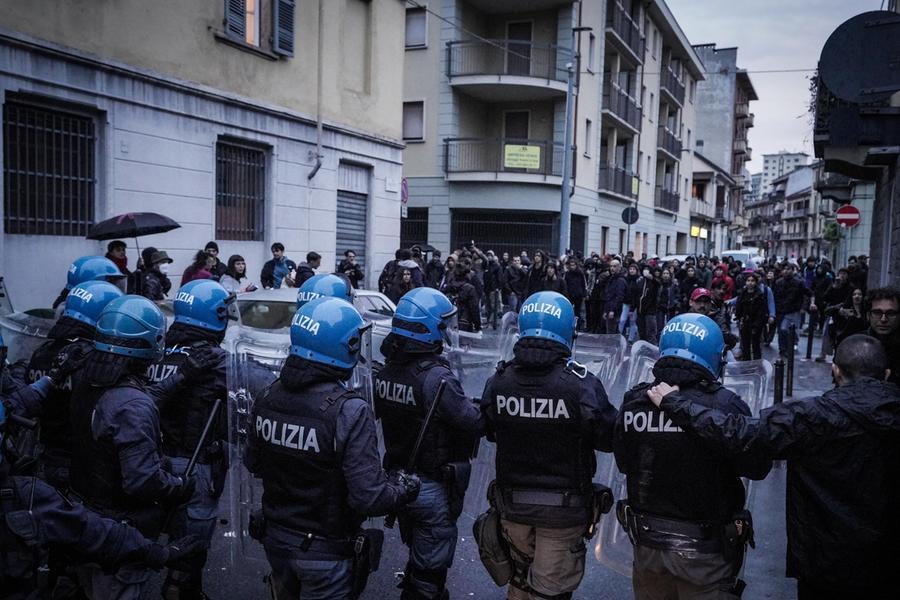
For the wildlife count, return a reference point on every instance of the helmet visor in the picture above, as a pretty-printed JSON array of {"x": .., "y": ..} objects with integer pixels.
[
  {"x": 119, "y": 282},
  {"x": 229, "y": 309},
  {"x": 363, "y": 348}
]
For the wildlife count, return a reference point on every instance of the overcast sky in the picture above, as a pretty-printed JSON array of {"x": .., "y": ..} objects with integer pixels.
[{"x": 771, "y": 34}]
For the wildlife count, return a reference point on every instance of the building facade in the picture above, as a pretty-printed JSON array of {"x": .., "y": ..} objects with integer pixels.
[
  {"x": 484, "y": 106},
  {"x": 714, "y": 204},
  {"x": 237, "y": 119},
  {"x": 778, "y": 164}
]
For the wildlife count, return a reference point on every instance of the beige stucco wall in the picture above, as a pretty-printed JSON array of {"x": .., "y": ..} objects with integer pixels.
[{"x": 176, "y": 38}]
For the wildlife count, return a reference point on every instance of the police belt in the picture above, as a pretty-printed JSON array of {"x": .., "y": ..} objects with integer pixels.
[
  {"x": 549, "y": 498},
  {"x": 673, "y": 534},
  {"x": 308, "y": 542}
]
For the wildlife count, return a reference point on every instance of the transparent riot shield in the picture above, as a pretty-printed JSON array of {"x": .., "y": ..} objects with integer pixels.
[
  {"x": 750, "y": 380},
  {"x": 361, "y": 380},
  {"x": 474, "y": 360},
  {"x": 253, "y": 366},
  {"x": 612, "y": 546},
  {"x": 603, "y": 354},
  {"x": 23, "y": 332},
  {"x": 6, "y": 306}
]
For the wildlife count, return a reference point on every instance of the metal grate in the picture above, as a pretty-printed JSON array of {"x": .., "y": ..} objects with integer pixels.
[
  {"x": 240, "y": 192},
  {"x": 49, "y": 168},
  {"x": 414, "y": 228}
]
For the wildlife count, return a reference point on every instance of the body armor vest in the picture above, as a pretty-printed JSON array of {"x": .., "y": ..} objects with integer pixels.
[
  {"x": 182, "y": 418},
  {"x": 541, "y": 444},
  {"x": 671, "y": 473},
  {"x": 303, "y": 482},
  {"x": 401, "y": 404}
]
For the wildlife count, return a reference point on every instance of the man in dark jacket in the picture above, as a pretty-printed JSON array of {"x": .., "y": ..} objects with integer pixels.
[
  {"x": 790, "y": 295},
  {"x": 576, "y": 288},
  {"x": 842, "y": 451},
  {"x": 515, "y": 283},
  {"x": 434, "y": 270},
  {"x": 275, "y": 271},
  {"x": 305, "y": 270},
  {"x": 646, "y": 305},
  {"x": 884, "y": 325},
  {"x": 615, "y": 296},
  {"x": 463, "y": 295},
  {"x": 218, "y": 269},
  {"x": 350, "y": 269}
]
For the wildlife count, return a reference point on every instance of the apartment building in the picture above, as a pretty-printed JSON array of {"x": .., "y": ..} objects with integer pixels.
[
  {"x": 713, "y": 206},
  {"x": 804, "y": 216},
  {"x": 780, "y": 163},
  {"x": 722, "y": 136},
  {"x": 241, "y": 120},
  {"x": 484, "y": 118}
]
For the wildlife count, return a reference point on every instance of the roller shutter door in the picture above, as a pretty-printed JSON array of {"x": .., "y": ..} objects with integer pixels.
[{"x": 351, "y": 226}]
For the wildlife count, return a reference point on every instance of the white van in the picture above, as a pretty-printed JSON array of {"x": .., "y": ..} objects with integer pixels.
[{"x": 745, "y": 255}]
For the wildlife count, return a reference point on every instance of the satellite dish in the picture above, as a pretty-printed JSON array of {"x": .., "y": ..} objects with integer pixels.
[{"x": 860, "y": 62}]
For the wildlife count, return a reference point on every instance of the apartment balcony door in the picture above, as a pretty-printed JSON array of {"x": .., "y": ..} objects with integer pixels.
[
  {"x": 515, "y": 132},
  {"x": 518, "y": 56}
]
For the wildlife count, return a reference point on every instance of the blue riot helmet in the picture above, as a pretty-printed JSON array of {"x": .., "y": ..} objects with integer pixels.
[
  {"x": 548, "y": 315},
  {"x": 425, "y": 315},
  {"x": 696, "y": 338},
  {"x": 329, "y": 286},
  {"x": 87, "y": 300},
  {"x": 94, "y": 268},
  {"x": 204, "y": 303},
  {"x": 328, "y": 331},
  {"x": 131, "y": 326}
]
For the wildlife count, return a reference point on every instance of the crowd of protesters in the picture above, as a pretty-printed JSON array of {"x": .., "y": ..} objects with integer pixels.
[{"x": 755, "y": 304}]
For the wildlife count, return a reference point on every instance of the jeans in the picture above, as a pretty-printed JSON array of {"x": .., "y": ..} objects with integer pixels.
[
  {"x": 648, "y": 328},
  {"x": 494, "y": 309},
  {"x": 513, "y": 302},
  {"x": 293, "y": 577},
  {"x": 785, "y": 343},
  {"x": 428, "y": 527}
]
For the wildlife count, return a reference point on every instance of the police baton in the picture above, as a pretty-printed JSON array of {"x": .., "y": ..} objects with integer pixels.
[
  {"x": 195, "y": 456},
  {"x": 414, "y": 457}
]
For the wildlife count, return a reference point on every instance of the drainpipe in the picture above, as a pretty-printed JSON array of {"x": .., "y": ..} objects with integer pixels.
[{"x": 319, "y": 94}]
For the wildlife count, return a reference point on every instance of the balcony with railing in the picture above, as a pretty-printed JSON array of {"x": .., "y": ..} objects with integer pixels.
[
  {"x": 742, "y": 110},
  {"x": 701, "y": 209},
  {"x": 507, "y": 159},
  {"x": 669, "y": 143},
  {"x": 625, "y": 34},
  {"x": 619, "y": 104},
  {"x": 795, "y": 213},
  {"x": 834, "y": 186},
  {"x": 725, "y": 213},
  {"x": 750, "y": 120},
  {"x": 740, "y": 146},
  {"x": 670, "y": 84},
  {"x": 500, "y": 69},
  {"x": 617, "y": 180},
  {"x": 666, "y": 199}
]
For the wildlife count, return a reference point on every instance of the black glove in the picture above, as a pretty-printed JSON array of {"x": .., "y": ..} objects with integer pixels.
[
  {"x": 409, "y": 484},
  {"x": 181, "y": 494},
  {"x": 200, "y": 360},
  {"x": 159, "y": 556},
  {"x": 65, "y": 363}
]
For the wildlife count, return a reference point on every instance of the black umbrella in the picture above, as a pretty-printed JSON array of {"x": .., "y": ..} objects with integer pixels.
[{"x": 131, "y": 225}]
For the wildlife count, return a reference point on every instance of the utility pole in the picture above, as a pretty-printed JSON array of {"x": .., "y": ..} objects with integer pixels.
[{"x": 565, "y": 208}]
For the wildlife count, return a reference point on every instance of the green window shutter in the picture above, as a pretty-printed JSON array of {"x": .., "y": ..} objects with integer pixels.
[
  {"x": 236, "y": 18},
  {"x": 283, "y": 26}
]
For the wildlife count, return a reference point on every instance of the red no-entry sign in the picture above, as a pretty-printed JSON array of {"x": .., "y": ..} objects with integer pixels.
[{"x": 848, "y": 215}]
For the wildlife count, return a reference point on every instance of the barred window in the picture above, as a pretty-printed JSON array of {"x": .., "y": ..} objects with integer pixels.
[
  {"x": 240, "y": 192},
  {"x": 49, "y": 169}
]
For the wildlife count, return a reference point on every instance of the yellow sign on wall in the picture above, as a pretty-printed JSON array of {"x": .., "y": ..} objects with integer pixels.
[{"x": 521, "y": 157}]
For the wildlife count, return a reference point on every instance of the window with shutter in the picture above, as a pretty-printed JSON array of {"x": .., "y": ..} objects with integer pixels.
[
  {"x": 416, "y": 33},
  {"x": 414, "y": 120},
  {"x": 236, "y": 18},
  {"x": 283, "y": 26}
]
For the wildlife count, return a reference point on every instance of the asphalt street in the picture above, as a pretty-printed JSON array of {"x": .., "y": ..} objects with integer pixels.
[{"x": 232, "y": 573}]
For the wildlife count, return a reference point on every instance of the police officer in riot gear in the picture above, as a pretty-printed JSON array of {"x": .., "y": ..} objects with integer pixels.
[
  {"x": 405, "y": 389},
  {"x": 91, "y": 268},
  {"x": 685, "y": 509},
  {"x": 202, "y": 310},
  {"x": 72, "y": 334},
  {"x": 324, "y": 285},
  {"x": 117, "y": 465},
  {"x": 33, "y": 515},
  {"x": 547, "y": 415},
  {"x": 313, "y": 444}
]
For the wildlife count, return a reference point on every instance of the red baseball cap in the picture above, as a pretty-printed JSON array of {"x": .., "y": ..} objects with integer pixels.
[{"x": 700, "y": 292}]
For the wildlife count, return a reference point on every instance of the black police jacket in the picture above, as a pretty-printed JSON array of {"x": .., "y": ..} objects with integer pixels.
[
  {"x": 547, "y": 420},
  {"x": 317, "y": 455},
  {"x": 33, "y": 514},
  {"x": 404, "y": 390},
  {"x": 183, "y": 417},
  {"x": 56, "y": 426},
  {"x": 672, "y": 473},
  {"x": 117, "y": 466},
  {"x": 843, "y": 486}
]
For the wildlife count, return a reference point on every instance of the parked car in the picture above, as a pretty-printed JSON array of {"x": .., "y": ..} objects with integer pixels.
[{"x": 745, "y": 255}]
